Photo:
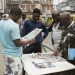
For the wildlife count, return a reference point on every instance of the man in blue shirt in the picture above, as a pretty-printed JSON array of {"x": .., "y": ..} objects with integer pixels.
[
  {"x": 30, "y": 25},
  {"x": 12, "y": 42}
]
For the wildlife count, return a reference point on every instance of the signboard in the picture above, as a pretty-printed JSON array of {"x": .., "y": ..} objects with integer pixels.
[{"x": 2, "y": 6}]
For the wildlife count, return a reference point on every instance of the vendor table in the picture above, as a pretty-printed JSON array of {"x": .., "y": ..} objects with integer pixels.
[{"x": 46, "y": 64}]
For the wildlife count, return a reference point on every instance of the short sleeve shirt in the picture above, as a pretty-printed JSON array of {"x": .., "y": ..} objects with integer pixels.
[{"x": 9, "y": 31}]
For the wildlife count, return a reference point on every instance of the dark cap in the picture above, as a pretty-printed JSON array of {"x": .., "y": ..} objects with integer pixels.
[{"x": 36, "y": 10}]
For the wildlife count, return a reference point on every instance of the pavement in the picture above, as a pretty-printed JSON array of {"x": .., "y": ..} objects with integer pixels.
[
  {"x": 46, "y": 42},
  {"x": 1, "y": 62}
]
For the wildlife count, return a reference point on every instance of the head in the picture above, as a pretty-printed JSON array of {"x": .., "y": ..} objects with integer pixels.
[
  {"x": 56, "y": 16},
  {"x": 36, "y": 14},
  {"x": 65, "y": 19},
  {"x": 15, "y": 13}
]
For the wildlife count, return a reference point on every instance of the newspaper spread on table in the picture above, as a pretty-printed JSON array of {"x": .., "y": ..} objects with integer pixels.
[{"x": 42, "y": 60}]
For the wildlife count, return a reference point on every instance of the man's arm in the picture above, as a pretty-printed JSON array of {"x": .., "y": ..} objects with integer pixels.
[
  {"x": 20, "y": 42},
  {"x": 45, "y": 31},
  {"x": 15, "y": 35}
]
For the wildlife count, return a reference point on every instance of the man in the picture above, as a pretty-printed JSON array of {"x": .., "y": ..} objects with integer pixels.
[
  {"x": 12, "y": 42},
  {"x": 30, "y": 25},
  {"x": 68, "y": 36},
  {"x": 22, "y": 20},
  {"x": 56, "y": 29}
]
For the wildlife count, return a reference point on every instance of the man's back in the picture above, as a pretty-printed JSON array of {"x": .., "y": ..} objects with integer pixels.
[{"x": 9, "y": 32}]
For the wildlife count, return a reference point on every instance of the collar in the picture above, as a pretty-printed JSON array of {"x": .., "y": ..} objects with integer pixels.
[{"x": 71, "y": 24}]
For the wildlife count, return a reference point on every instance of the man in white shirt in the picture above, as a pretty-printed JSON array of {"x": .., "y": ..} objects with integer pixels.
[{"x": 56, "y": 29}]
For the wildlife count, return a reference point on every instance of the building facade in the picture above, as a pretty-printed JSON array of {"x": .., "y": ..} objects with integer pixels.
[
  {"x": 67, "y": 5},
  {"x": 46, "y": 6},
  {"x": 2, "y": 6},
  {"x": 10, "y": 4}
]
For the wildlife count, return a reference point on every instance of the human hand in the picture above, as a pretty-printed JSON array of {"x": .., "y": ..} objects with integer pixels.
[
  {"x": 55, "y": 53},
  {"x": 33, "y": 40},
  {"x": 69, "y": 34}
]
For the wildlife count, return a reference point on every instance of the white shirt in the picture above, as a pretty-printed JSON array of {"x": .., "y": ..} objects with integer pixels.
[{"x": 56, "y": 34}]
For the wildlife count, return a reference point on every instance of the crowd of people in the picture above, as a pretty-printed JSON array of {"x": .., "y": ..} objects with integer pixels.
[{"x": 62, "y": 34}]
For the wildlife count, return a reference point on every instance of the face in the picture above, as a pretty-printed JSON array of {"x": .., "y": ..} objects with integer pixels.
[
  {"x": 64, "y": 22},
  {"x": 17, "y": 17},
  {"x": 36, "y": 16},
  {"x": 55, "y": 17}
]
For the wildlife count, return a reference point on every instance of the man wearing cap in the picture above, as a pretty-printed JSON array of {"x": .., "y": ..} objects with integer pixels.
[{"x": 30, "y": 25}]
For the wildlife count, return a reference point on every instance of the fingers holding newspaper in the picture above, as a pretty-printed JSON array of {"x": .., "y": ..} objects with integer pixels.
[
  {"x": 31, "y": 41},
  {"x": 30, "y": 37},
  {"x": 28, "y": 41}
]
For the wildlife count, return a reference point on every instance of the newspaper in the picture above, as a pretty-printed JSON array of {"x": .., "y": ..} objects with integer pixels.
[
  {"x": 45, "y": 60},
  {"x": 32, "y": 34}
]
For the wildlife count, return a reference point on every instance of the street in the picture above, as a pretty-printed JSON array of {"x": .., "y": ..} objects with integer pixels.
[{"x": 1, "y": 62}]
